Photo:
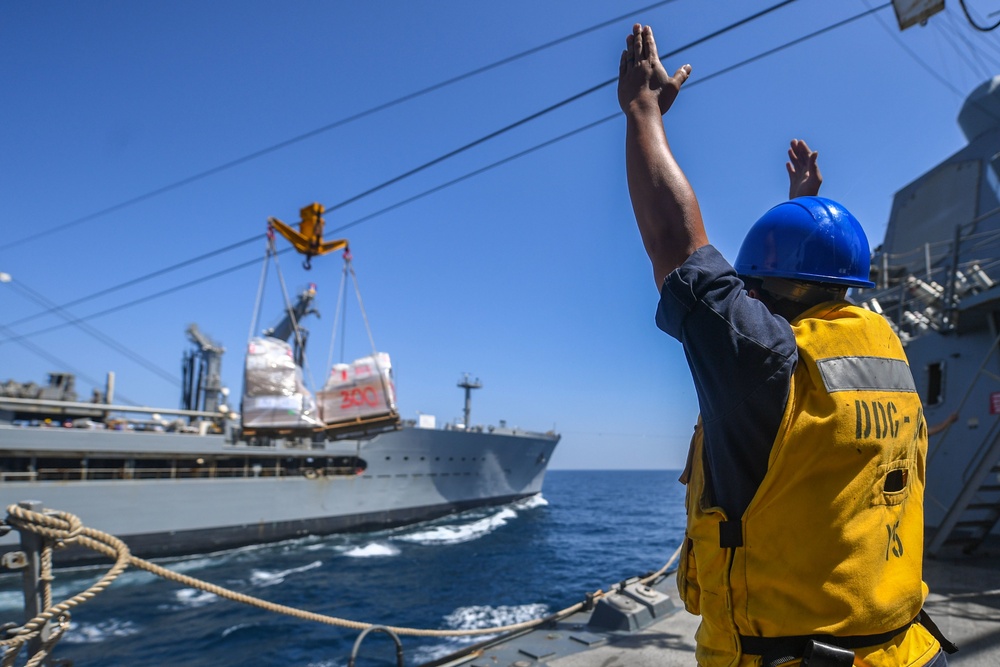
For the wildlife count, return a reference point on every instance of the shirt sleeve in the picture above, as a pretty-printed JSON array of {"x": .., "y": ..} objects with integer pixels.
[{"x": 741, "y": 359}]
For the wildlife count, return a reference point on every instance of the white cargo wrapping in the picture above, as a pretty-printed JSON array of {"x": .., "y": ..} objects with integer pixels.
[
  {"x": 359, "y": 390},
  {"x": 274, "y": 395}
]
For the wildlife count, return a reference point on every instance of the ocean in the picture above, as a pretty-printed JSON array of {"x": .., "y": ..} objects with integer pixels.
[{"x": 480, "y": 568}]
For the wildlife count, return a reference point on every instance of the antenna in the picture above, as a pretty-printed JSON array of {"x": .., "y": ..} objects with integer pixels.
[{"x": 468, "y": 386}]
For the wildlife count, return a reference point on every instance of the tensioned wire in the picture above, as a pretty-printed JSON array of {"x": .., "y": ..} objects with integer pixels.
[
  {"x": 385, "y": 184},
  {"x": 326, "y": 128},
  {"x": 464, "y": 177}
]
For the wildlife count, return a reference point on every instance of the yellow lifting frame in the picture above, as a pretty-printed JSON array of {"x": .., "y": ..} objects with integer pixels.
[{"x": 308, "y": 240}]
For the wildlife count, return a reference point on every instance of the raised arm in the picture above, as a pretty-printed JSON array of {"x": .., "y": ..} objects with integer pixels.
[
  {"x": 663, "y": 201},
  {"x": 804, "y": 178}
]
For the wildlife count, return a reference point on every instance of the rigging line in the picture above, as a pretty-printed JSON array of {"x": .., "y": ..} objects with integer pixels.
[
  {"x": 150, "y": 297},
  {"x": 477, "y": 171},
  {"x": 985, "y": 45},
  {"x": 977, "y": 66},
  {"x": 794, "y": 42},
  {"x": 398, "y": 178},
  {"x": 341, "y": 299},
  {"x": 973, "y": 23},
  {"x": 136, "y": 281},
  {"x": 98, "y": 335},
  {"x": 471, "y": 174},
  {"x": 255, "y": 319},
  {"x": 57, "y": 362},
  {"x": 600, "y": 121},
  {"x": 947, "y": 84},
  {"x": 549, "y": 109},
  {"x": 326, "y": 128}
]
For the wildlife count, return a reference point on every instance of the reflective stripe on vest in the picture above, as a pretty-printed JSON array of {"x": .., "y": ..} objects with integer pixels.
[{"x": 865, "y": 374}]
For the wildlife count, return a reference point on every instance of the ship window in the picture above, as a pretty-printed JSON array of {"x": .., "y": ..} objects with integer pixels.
[
  {"x": 15, "y": 468},
  {"x": 54, "y": 469},
  {"x": 935, "y": 383},
  {"x": 291, "y": 466},
  {"x": 230, "y": 466},
  {"x": 152, "y": 469},
  {"x": 104, "y": 468},
  {"x": 192, "y": 467}
]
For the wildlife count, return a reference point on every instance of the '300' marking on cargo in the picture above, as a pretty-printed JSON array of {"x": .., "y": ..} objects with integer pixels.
[{"x": 358, "y": 398}]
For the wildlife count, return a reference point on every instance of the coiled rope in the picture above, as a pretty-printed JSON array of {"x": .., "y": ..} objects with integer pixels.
[{"x": 64, "y": 529}]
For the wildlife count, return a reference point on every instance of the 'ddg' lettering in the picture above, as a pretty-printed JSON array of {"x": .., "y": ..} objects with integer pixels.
[{"x": 882, "y": 415}]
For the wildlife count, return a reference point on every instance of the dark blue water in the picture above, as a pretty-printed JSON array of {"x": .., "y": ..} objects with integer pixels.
[{"x": 485, "y": 567}]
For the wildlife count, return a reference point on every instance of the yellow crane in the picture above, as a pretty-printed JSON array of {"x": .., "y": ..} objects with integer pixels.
[{"x": 308, "y": 240}]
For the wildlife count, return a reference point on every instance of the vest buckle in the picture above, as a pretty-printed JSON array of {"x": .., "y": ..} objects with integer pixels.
[{"x": 818, "y": 654}]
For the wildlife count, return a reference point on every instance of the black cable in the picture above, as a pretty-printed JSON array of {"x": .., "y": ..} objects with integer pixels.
[
  {"x": 973, "y": 23},
  {"x": 548, "y": 109},
  {"x": 477, "y": 172},
  {"x": 136, "y": 302},
  {"x": 916, "y": 58},
  {"x": 57, "y": 362},
  {"x": 979, "y": 67},
  {"x": 603, "y": 120},
  {"x": 441, "y": 158},
  {"x": 460, "y": 178},
  {"x": 326, "y": 128},
  {"x": 135, "y": 281},
  {"x": 794, "y": 42},
  {"x": 98, "y": 335},
  {"x": 465, "y": 176}
]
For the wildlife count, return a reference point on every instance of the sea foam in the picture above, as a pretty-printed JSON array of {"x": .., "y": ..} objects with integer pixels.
[
  {"x": 455, "y": 534},
  {"x": 264, "y": 578},
  {"x": 93, "y": 633},
  {"x": 373, "y": 550}
]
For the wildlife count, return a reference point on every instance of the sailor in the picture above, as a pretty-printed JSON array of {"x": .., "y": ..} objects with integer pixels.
[{"x": 805, "y": 477}]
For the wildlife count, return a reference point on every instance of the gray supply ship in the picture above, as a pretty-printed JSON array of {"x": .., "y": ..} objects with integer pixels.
[{"x": 289, "y": 465}]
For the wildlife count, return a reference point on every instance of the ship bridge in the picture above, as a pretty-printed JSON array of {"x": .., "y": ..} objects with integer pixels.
[{"x": 940, "y": 261}]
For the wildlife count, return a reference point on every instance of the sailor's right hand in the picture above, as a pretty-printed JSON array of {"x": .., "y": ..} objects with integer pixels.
[{"x": 643, "y": 83}]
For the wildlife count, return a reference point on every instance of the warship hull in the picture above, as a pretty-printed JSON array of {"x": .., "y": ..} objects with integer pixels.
[{"x": 169, "y": 494}]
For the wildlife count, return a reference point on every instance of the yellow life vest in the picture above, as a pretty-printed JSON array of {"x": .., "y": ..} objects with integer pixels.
[{"x": 832, "y": 541}]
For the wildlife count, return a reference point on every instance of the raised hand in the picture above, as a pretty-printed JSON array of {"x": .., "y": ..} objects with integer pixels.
[
  {"x": 804, "y": 178},
  {"x": 642, "y": 79}
]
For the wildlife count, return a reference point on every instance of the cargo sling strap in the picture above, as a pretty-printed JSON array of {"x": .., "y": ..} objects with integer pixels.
[{"x": 778, "y": 650}]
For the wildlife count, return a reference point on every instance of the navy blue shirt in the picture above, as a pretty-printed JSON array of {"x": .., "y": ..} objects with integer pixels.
[{"x": 741, "y": 358}]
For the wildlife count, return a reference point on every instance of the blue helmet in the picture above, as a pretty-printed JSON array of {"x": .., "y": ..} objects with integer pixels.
[{"x": 808, "y": 238}]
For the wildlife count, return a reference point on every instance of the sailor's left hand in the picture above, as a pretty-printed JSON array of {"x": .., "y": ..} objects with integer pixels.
[
  {"x": 643, "y": 83},
  {"x": 804, "y": 178}
]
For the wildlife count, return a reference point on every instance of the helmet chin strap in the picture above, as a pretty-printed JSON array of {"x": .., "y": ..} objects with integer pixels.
[{"x": 805, "y": 293}]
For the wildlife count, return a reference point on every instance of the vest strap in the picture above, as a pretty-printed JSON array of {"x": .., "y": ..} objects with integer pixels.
[
  {"x": 776, "y": 650},
  {"x": 947, "y": 645}
]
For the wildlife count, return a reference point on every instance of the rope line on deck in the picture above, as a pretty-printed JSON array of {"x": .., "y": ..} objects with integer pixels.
[{"x": 64, "y": 529}]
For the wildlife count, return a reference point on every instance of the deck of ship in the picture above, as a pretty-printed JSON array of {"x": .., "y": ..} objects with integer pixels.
[{"x": 964, "y": 601}]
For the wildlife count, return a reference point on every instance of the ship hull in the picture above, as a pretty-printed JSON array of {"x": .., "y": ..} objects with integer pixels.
[{"x": 409, "y": 475}]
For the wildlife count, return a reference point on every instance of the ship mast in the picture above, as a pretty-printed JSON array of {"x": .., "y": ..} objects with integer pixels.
[{"x": 468, "y": 385}]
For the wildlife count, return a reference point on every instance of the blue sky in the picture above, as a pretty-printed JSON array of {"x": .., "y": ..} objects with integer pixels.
[{"x": 530, "y": 276}]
